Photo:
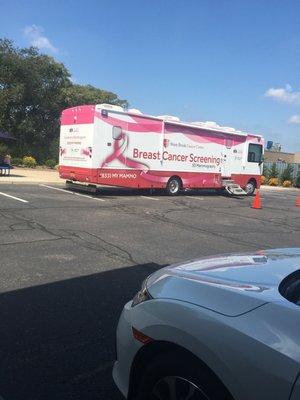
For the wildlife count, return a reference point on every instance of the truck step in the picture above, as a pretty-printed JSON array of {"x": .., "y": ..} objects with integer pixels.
[{"x": 233, "y": 188}]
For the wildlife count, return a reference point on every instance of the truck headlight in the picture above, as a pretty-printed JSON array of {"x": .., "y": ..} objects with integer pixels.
[{"x": 142, "y": 295}]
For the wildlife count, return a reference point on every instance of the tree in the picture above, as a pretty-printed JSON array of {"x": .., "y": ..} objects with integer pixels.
[
  {"x": 274, "y": 171},
  {"x": 287, "y": 173},
  {"x": 297, "y": 180},
  {"x": 30, "y": 97},
  {"x": 75, "y": 95},
  {"x": 266, "y": 171},
  {"x": 34, "y": 89}
]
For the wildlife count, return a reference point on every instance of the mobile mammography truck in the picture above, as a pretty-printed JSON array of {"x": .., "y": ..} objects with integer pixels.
[{"x": 107, "y": 145}]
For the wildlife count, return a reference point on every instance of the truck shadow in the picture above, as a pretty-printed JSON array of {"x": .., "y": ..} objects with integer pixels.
[
  {"x": 57, "y": 340},
  {"x": 119, "y": 192},
  {"x": 108, "y": 191}
]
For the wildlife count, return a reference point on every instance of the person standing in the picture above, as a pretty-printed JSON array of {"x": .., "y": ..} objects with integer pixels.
[{"x": 7, "y": 160}]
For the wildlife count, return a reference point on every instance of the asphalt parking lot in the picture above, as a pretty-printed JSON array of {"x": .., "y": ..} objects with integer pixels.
[{"x": 69, "y": 261}]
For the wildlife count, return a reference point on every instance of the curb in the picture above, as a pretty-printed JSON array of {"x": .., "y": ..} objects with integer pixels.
[{"x": 279, "y": 188}]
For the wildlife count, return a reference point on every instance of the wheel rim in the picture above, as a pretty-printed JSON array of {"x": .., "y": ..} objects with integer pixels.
[
  {"x": 250, "y": 188},
  {"x": 177, "y": 388},
  {"x": 174, "y": 186}
]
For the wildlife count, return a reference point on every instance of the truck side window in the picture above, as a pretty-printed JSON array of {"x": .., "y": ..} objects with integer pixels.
[
  {"x": 117, "y": 132},
  {"x": 255, "y": 153}
]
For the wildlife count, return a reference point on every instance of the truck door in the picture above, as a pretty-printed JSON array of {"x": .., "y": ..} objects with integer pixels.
[
  {"x": 254, "y": 159},
  {"x": 226, "y": 158}
]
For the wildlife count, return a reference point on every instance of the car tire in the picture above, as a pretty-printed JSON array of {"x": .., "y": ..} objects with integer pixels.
[
  {"x": 250, "y": 188},
  {"x": 173, "y": 186},
  {"x": 172, "y": 376}
]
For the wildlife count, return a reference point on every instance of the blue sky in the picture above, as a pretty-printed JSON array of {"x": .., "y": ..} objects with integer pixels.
[{"x": 235, "y": 62}]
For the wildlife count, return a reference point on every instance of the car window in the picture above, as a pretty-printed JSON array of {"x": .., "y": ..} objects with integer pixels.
[{"x": 290, "y": 288}]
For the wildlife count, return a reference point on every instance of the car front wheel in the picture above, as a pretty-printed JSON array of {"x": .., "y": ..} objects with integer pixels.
[
  {"x": 173, "y": 377},
  {"x": 250, "y": 188}
]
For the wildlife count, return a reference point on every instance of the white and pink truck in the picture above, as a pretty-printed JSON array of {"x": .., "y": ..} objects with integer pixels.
[{"x": 107, "y": 145}]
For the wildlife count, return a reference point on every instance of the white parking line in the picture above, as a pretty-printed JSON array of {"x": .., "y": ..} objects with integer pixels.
[
  {"x": 71, "y": 192},
  {"x": 13, "y": 197},
  {"x": 150, "y": 198},
  {"x": 194, "y": 197}
]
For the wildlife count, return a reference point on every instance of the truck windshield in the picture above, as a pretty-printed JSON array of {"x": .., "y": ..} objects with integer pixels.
[{"x": 255, "y": 153}]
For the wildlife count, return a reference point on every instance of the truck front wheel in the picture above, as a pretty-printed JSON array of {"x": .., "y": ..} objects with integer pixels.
[
  {"x": 173, "y": 186},
  {"x": 250, "y": 187}
]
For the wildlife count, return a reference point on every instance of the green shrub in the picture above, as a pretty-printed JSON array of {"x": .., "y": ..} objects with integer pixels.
[
  {"x": 287, "y": 184},
  {"x": 263, "y": 180},
  {"x": 16, "y": 161},
  {"x": 29, "y": 162},
  {"x": 273, "y": 181},
  {"x": 287, "y": 173},
  {"x": 50, "y": 163}
]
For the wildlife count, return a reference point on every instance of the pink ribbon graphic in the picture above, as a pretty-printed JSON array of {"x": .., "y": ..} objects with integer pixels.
[
  {"x": 119, "y": 147},
  {"x": 87, "y": 152}
]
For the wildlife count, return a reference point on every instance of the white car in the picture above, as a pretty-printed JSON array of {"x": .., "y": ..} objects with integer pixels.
[{"x": 215, "y": 328}]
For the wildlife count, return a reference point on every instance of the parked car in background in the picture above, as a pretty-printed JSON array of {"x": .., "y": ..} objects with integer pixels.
[{"x": 214, "y": 329}]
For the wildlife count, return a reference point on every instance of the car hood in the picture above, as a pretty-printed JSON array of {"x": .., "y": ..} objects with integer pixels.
[{"x": 230, "y": 284}]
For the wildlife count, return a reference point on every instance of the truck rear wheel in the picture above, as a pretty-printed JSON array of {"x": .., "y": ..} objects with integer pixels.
[{"x": 173, "y": 186}]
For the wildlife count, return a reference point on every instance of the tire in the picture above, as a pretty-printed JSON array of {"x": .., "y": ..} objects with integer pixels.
[
  {"x": 250, "y": 188},
  {"x": 173, "y": 186},
  {"x": 172, "y": 376}
]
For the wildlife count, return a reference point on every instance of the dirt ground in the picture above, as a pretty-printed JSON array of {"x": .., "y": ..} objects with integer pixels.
[{"x": 29, "y": 175}]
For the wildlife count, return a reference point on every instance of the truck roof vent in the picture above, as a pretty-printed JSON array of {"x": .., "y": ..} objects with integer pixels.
[
  {"x": 228, "y": 129},
  {"x": 168, "y": 118},
  {"x": 111, "y": 107},
  {"x": 199, "y": 123},
  {"x": 134, "y": 111},
  {"x": 211, "y": 124}
]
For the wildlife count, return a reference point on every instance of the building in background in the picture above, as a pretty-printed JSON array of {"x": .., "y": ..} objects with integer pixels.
[
  {"x": 274, "y": 153},
  {"x": 281, "y": 156}
]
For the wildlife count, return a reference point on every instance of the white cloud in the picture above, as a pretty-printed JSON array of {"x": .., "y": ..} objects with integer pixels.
[
  {"x": 36, "y": 38},
  {"x": 294, "y": 119},
  {"x": 285, "y": 95}
]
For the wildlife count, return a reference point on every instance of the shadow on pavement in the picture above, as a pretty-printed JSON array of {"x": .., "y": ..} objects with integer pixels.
[
  {"x": 109, "y": 191},
  {"x": 57, "y": 340},
  {"x": 12, "y": 175}
]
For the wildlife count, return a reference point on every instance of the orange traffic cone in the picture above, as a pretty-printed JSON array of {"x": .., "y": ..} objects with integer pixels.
[
  {"x": 298, "y": 202},
  {"x": 257, "y": 202}
]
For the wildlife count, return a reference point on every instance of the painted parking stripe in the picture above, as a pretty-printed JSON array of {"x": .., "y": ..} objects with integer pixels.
[
  {"x": 13, "y": 197},
  {"x": 71, "y": 192},
  {"x": 150, "y": 198},
  {"x": 195, "y": 197}
]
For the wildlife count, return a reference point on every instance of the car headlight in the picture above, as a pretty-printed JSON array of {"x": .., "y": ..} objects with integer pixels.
[{"x": 142, "y": 295}]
